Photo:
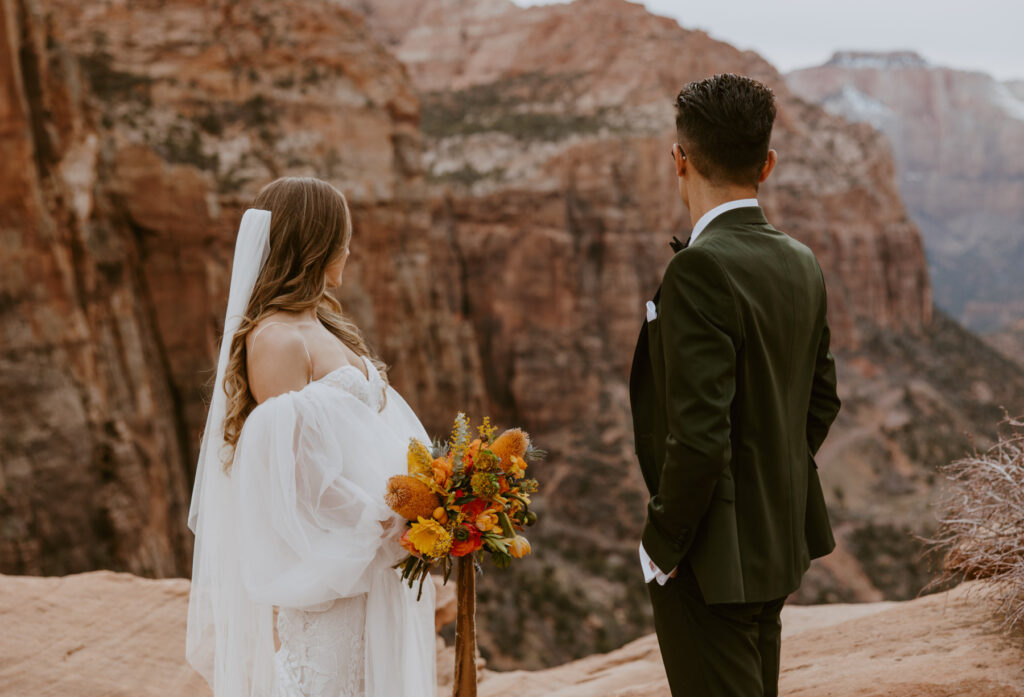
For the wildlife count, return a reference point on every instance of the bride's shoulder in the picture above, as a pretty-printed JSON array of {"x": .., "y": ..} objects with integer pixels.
[{"x": 277, "y": 360}]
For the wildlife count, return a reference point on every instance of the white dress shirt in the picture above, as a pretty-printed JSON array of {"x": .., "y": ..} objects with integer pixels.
[
  {"x": 651, "y": 570},
  {"x": 717, "y": 211}
]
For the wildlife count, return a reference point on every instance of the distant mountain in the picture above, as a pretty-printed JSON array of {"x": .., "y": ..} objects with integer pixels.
[{"x": 958, "y": 140}]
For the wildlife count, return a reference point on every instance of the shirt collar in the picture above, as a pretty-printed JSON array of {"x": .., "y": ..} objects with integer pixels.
[{"x": 717, "y": 211}]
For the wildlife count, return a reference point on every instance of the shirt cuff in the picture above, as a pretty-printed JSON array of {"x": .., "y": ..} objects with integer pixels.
[{"x": 651, "y": 574}]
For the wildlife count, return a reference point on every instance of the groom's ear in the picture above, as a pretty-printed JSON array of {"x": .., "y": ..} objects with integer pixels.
[{"x": 769, "y": 165}]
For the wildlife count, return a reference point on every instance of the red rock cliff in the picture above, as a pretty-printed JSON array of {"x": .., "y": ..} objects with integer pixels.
[
  {"x": 92, "y": 455},
  {"x": 128, "y": 176}
]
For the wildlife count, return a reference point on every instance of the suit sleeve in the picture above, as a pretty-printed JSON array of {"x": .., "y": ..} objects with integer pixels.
[
  {"x": 700, "y": 335},
  {"x": 824, "y": 403}
]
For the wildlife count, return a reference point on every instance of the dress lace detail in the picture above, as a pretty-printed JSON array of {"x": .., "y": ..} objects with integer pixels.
[
  {"x": 368, "y": 390},
  {"x": 322, "y": 650}
]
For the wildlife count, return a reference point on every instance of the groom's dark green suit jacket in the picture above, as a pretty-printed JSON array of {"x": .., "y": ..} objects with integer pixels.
[{"x": 733, "y": 390}]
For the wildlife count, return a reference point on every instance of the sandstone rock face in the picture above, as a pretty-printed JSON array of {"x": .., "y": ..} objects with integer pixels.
[
  {"x": 945, "y": 644},
  {"x": 577, "y": 98},
  {"x": 128, "y": 163},
  {"x": 91, "y": 468},
  {"x": 958, "y": 141},
  {"x": 1009, "y": 341},
  {"x": 111, "y": 634},
  {"x": 114, "y": 634},
  {"x": 209, "y": 101}
]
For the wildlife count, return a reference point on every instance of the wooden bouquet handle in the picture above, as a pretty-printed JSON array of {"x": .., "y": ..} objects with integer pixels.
[{"x": 465, "y": 628}]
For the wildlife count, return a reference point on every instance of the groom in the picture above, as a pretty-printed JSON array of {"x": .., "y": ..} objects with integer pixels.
[{"x": 733, "y": 390}]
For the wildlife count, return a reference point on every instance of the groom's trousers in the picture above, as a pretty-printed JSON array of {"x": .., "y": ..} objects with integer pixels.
[{"x": 722, "y": 650}]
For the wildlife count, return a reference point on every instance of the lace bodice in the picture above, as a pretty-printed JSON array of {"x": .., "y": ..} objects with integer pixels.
[{"x": 369, "y": 390}]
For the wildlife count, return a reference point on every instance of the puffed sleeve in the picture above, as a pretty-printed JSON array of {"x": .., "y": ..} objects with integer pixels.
[{"x": 310, "y": 471}]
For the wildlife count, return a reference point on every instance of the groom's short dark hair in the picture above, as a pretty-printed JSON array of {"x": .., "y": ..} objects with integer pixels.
[{"x": 724, "y": 124}]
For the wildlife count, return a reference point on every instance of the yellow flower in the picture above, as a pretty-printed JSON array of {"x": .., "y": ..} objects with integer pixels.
[
  {"x": 519, "y": 547},
  {"x": 518, "y": 467},
  {"x": 485, "y": 430},
  {"x": 430, "y": 538},
  {"x": 419, "y": 458},
  {"x": 486, "y": 521}
]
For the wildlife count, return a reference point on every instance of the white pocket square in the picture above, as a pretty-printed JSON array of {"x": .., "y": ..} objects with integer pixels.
[{"x": 652, "y": 311}]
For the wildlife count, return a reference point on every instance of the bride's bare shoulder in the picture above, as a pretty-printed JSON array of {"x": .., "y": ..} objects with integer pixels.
[{"x": 277, "y": 359}]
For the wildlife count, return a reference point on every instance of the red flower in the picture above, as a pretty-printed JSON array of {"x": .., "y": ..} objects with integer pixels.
[
  {"x": 467, "y": 540},
  {"x": 474, "y": 508}
]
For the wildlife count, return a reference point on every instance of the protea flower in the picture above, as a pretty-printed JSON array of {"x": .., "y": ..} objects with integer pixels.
[
  {"x": 411, "y": 498},
  {"x": 514, "y": 441}
]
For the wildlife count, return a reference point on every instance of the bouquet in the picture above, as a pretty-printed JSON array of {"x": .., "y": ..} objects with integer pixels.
[{"x": 465, "y": 498}]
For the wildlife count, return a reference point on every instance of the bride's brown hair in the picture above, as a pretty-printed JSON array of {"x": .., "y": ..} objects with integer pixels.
[{"x": 310, "y": 226}]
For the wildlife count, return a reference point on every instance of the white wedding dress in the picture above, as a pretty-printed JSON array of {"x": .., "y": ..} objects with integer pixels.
[
  {"x": 299, "y": 523},
  {"x": 310, "y": 472}
]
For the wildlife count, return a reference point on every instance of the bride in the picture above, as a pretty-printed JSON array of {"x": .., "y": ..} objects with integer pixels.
[{"x": 288, "y": 506}]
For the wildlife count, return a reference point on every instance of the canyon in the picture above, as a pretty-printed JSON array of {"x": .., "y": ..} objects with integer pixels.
[
  {"x": 507, "y": 173},
  {"x": 956, "y": 138}
]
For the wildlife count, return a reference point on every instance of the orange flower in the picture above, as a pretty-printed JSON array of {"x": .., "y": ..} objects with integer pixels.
[
  {"x": 467, "y": 540},
  {"x": 518, "y": 467},
  {"x": 474, "y": 508},
  {"x": 513, "y": 442},
  {"x": 442, "y": 470},
  {"x": 410, "y": 498},
  {"x": 407, "y": 543},
  {"x": 486, "y": 521}
]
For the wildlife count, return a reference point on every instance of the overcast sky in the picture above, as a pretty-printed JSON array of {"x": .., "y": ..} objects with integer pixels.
[{"x": 981, "y": 35}]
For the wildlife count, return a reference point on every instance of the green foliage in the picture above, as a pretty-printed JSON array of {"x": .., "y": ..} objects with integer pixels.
[
  {"x": 110, "y": 83},
  {"x": 529, "y": 107},
  {"x": 183, "y": 144},
  {"x": 467, "y": 175}
]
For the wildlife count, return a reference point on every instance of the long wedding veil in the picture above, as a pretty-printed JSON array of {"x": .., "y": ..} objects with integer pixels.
[{"x": 223, "y": 624}]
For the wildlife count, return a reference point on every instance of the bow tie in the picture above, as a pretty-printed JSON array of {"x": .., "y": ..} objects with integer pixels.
[{"x": 678, "y": 246}]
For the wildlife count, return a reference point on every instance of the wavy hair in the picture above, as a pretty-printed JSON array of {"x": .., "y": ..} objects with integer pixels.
[{"x": 310, "y": 225}]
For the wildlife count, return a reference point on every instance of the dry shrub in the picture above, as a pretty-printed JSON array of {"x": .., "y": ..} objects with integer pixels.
[{"x": 981, "y": 525}]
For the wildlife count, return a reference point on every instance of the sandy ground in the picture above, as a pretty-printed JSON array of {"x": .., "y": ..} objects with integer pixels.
[{"x": 111, "y": 634}]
